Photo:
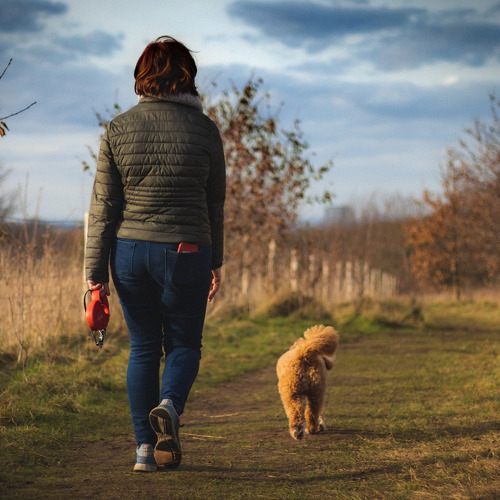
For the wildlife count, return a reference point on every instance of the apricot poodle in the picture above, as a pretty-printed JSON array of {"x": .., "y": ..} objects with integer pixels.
[{"x": 302, "y": 374}]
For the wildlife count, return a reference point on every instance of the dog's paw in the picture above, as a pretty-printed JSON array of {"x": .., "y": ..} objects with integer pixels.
[
  {"x": 297, "y": 432},
  {"x": 321, "y": 425},
  {"x": 317, "y": 430}
]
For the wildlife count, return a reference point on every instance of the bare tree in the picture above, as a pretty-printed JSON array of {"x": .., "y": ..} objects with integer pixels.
[
  {"x": 3, "y": 124},
  {"x": 268, "y": 170},
  {"x": 6, "y": 200}
]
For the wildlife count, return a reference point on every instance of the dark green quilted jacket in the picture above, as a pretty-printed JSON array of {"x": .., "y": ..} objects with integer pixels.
[{"x": 161, "y": 178}]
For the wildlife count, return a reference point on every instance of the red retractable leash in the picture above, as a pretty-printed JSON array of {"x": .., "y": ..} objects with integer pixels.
[{"x": 97, "y": 315}]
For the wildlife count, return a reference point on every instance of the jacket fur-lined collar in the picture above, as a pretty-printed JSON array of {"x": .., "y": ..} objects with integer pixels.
[{"x": 187, "y": 99}]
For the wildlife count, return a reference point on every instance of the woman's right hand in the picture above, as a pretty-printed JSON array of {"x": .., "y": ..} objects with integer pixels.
[{"x": 98, "y": 286}]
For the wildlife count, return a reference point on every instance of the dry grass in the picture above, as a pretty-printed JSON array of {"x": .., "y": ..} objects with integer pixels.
[
  {"x": 41, "y": 292},
  {"x": 39, "y": 297}
]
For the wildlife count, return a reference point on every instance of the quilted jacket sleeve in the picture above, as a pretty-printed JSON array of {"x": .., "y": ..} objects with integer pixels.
[
  {"x": 105, "y": 209},
  {"x": 216, "y": 193}
]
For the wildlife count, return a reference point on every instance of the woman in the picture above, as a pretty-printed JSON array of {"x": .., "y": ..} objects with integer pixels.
[{"x": 156, "y": 216}]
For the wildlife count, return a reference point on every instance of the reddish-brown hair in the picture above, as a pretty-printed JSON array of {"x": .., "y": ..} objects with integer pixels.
[{"x": 166, "y": 67}]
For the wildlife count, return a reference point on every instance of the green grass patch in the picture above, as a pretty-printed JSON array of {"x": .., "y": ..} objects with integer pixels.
[
  {"x": 464, "y": 315},
  {"x": 412, "y": 413},
  {"x": 234, "y": 348}
]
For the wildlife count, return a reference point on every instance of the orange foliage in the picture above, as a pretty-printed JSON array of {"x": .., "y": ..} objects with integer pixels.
[{"x": 457, "y": 244}]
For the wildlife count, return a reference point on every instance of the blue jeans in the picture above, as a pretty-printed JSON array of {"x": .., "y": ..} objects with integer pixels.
[{"x": 163, "y": 295}]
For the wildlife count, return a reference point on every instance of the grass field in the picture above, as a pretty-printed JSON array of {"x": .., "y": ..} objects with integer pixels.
[{"x": 413, "y": 412}]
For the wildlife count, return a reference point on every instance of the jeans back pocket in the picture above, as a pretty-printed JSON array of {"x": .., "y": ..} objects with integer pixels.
[
  {"x": 123, "y": 257},
  {"x": 188, "y": 269}
]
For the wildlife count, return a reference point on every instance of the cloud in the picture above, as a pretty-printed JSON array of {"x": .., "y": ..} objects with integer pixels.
[
  {"x": 57, "y": 69},
  {"x": 302, "y": 22},
  {"x": 96, "y": 43},
  {"x": 22, "y": 16},
  {"x": 343, "y": 120},
  {"x": 52, "y": 50},
  {"x": 25, "y": 34},
  {"x": 391, "y": 38},
  {"x": 470, "y": 43},
  {"x": 494, "y": 10}
]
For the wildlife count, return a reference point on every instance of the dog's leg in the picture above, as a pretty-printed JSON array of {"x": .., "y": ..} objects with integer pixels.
[
  {"x": 322, "y": 423},
  {"x": 295, "y": 413},
  {"x": 296, "y": 419},
  {"x": 314, "y": 414}
]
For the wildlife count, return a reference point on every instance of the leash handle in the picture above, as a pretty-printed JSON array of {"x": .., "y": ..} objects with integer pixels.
[{"x": 97, "y": 314}]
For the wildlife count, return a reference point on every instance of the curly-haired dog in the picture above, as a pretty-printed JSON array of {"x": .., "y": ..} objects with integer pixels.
[{"x": 302, "y": 376}]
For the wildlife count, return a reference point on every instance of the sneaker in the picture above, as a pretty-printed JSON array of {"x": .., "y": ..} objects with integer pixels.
[
  {"x": 165, "y": 423},
  {"x": 145, "y": 459}
]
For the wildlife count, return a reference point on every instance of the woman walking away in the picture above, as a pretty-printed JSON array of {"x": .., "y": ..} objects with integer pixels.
[{"x": 156, "y": 216}]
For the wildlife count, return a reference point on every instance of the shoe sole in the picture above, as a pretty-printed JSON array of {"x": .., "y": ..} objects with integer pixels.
[
  {"x": 168, "y": 452},
  {"x": 144, "y": 468}
]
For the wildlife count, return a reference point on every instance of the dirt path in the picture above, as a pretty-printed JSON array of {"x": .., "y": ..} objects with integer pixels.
[
  {"x": 234, "y": 435},
  {"x": 396, "y": 430}
]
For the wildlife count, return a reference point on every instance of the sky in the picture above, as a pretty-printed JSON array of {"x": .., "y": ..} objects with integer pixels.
[{"x": 381, "y": 87}]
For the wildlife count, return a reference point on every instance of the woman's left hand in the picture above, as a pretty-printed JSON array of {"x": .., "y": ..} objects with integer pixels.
[{"x": 215, "y": 285}]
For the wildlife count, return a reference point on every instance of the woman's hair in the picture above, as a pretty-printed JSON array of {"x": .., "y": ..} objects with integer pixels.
[{"x": 166, "y": 67}]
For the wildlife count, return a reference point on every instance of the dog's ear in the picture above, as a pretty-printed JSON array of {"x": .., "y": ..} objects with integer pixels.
[{"x": 329, "y": 361}]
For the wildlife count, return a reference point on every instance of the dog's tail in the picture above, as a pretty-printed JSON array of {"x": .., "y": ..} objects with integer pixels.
[{"x": 319, "y": 340}]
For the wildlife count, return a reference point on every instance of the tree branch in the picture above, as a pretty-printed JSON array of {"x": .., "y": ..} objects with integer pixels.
[
  {"x": 18, "y": 112},
  {"x": 6, "y": 68}
]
